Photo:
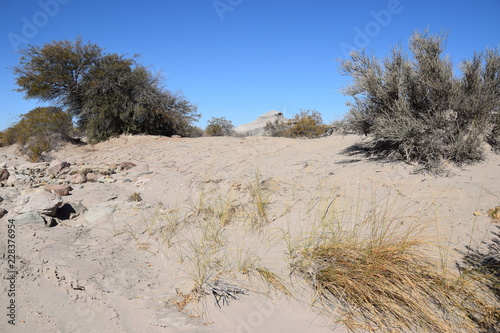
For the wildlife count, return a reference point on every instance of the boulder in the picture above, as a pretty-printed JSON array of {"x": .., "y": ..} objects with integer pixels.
[
  {"x": 40, "y": 202},
  {"x": 78, "y": 179},
  {"x": 60, "y": 190},
  {"x": 29, "y": 217},
  {"x": 4, "y": 174},
  {"x": 3, "y": 212},
  {"x": 91, "y": 177},
  {"x": 56, "y": 166},
  {"x": 124, "y": 166},
  {"x": 1, "y": 199}
]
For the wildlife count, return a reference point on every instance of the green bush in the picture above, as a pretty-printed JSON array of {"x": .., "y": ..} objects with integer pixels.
[
  {"x": 219, "y": 127},
  {"x": 417, "y": 109},
  {"x": 39, "y": 131},
  {"x": 307, "y": 123}
]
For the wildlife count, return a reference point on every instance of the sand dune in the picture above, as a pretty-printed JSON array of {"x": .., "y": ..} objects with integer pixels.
[{"x": 130, "y": 266}]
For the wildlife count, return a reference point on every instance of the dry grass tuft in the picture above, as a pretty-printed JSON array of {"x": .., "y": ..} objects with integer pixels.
[{"x": 393, "y": 286}]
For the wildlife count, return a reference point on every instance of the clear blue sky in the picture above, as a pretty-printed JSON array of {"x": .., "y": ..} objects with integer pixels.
[{"x": 241, "y": 58}]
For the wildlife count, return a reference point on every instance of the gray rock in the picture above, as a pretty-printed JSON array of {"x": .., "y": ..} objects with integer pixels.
[
  {"x": 56, "y": 166},
  {"x": 29, "y": 217},
  {"x": 1, "y": 199},
  {"x": 3, "y": 212},
  {"x": 98, "y": 212},
  {"x": 40, "y": 202}
]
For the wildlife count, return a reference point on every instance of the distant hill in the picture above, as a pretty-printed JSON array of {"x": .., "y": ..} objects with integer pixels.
[{"x": 256, "y": 127}]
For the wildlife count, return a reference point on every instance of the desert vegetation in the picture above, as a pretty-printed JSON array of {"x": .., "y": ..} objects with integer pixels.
[
  {"x": 418, "y": 110},
  {"x": 107, "y": 94},
  {"x": 39, "y": 131},
  {"x": 219, "y": 127},
  {"x": 305, "y": 124},
  {"x": 374, "y": 272}
]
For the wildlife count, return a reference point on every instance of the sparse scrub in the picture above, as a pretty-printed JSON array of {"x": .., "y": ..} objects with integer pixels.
[
  {"x": 39, "y": 131},
  {"x": 277, "y": 128},
  {"x": 219, "y": 127},
  {"x": 307, "y": 124},
  {"x": 379, "y": 277},
  {"x": 259, "y": 199},
  {"x": 484, "y": 265},
  {"x": 415, "y": 107}
]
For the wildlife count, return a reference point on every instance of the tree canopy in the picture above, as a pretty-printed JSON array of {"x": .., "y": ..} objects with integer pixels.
[{"x": 108, "y": 94}]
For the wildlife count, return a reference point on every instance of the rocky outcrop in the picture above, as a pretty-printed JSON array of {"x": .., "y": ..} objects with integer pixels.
[
  {"x": 256, "y": 127},
  {"x": 40, "y": 202}
]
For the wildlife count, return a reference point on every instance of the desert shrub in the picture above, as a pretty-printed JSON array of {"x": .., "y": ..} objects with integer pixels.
[
  {"x": 108, "y": 94},
  {"x": 307, "y": 123},
  {"x": 277, "y": 128},
  {"x": 484, "y": 264},
  {"x": 40, "y": 131},
  {"x": 219, "y": 127},
  {"x": 416, "y": 108}
]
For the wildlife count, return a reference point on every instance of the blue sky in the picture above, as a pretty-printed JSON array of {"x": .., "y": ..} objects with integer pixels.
[{"x": 241, "y": 58}]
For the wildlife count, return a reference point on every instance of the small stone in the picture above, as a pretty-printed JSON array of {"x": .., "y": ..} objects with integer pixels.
[
  {"x": 3, "y": 212},
  {"x": 4, "y": 174},
  {"x": 60, "y": 190},
  {"x": 91, "y": 177},
  {"x": 77, "y": 179}
]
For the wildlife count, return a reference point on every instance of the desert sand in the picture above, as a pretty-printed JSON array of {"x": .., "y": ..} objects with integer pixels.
[{"x": 119, "y": 268}]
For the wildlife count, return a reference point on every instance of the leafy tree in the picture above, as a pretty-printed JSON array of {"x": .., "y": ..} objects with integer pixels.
[
  {"x": 416, "y": 108},
  {"x": 108, "y": 94},
  {"x": 219, "y": 127}
]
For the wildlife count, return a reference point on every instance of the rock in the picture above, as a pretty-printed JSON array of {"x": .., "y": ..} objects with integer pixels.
[
  {"x": 98, "y": 212},
  {"x": 256, "y": 127},
  {"x": 40, "y": 202},
  {"x": 4, "y": 174},
  {"x": 56, "y": 166},
  {"x": 91, "y": 177},
  {"x": 18, "y": 179},
  {"x": 126, "y": 166},
  {"x": 71, "y": 210},
  {"x": 60, "y": 190},
  {"x": 77, "y": 179},
  {"x": 29, "y": 217},
  {"x": 3, "y": 212},
  {"x": 1, "y": 199},
  {"x": 3, "y": 165}
]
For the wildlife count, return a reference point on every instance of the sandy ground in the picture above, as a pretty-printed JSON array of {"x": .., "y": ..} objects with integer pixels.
[{"x": 114, "y": 273}]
